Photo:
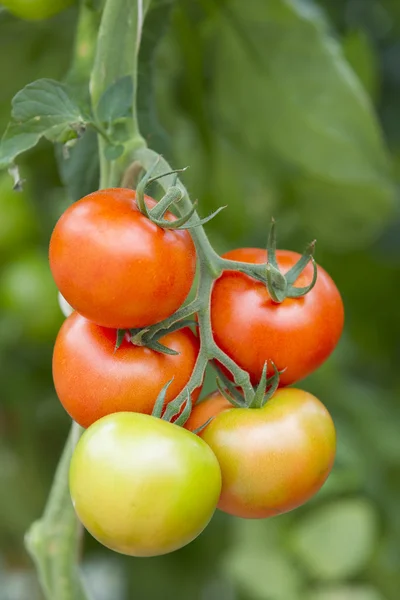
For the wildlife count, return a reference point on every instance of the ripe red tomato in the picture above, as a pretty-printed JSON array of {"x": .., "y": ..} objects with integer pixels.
[
  {"x": 117, "y": 268},
  {"x": 211, "y": 406},
  {"x": 272, "y": 459},
  {"x": 92, "y": 379},
  {"x": 143, "y": 486},
  {"x": 298, "y": 335}
]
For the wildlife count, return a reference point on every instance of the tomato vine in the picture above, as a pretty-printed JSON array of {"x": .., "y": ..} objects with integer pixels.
[{"x": 53, "y": 541}]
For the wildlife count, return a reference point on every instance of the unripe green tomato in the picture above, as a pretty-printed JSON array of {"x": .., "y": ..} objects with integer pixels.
[
  {"x": 142, "y": 486},
  {"x": 36, "y": 10},
  {"x": 17, "y": 220},
  {"x": 28, "y": 296}
]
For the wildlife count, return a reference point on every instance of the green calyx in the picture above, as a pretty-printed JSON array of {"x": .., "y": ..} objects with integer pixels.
[
  {"x": 145, "y": 337},
  {"x": 282, "y": 286},
  {"x": 173, "y": 195},
  {"x": 262, "y": 393},
  {"x": 173, "y": 408}
]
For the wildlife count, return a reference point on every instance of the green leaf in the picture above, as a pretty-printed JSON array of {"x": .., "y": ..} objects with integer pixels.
[
  {"x": 79, "y": 167},
  {"x": 299, "y": 102},
  {"x": 337, "y": 540},
  {"x": 42, "y": 108},
  {"x": 155, "y": 25},
  {"x": 46, "y": 106},
  {"x": 117, "y": 100},
  {"x": 257, "y": 563},
  {"x": 15, "y": 142},
  {"x": 354, "y": 592},
  {"x": 262, "y": 575},
  {"x": 112, "y": 151},
  {"x": 362, "y": 57}
]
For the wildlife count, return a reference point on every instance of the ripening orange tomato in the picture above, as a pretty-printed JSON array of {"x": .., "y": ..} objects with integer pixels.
[
  {"x": 211, "y": 406},
  {"x": 275, "y": 458}
]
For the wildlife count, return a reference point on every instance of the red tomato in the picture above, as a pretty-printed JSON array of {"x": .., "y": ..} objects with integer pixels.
[
  {"x": 143, "y": 486},
  {"x": 298, "y": 335},
  {"x": 272, "y": 459},
  {"x": 211, "y": 406},
  {"x": 115, "y": 267},
  {"x": 92, "y": 379}
]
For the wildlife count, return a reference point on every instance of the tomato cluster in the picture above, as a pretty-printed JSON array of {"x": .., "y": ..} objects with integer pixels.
[{"x": 143, "y": 485}]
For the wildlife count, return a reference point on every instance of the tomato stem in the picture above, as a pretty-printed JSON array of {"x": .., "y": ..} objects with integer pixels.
[
  {"x": 117, "y": 52},
  {"x": 210, "y": 268},
  {"x": 54, "y": 540}
]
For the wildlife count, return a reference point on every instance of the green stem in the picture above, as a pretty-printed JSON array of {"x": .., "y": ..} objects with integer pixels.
[
  {"x": 85, "y": 46},
  {"x": 258, "y": 271},
  {"x": 204, "y": 249},
  {"x": 54, "y": 540},
  {"x": 117, "y": 56},
  {"x": 173, "y": 195},
  {"x": 211, "y": 266},
  {"x": 179, "y": 315},
  {"x": 101, "y": 131}
]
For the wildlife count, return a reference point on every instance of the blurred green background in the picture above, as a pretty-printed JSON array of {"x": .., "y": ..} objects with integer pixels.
[{"x": 288, "y": 108}]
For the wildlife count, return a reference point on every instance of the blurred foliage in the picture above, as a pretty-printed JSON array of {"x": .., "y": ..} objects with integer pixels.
[{"x": 288, "y": 108}]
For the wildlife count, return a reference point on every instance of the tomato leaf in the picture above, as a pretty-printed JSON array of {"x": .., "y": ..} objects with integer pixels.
[
  {"x": 363, "y": 58},
  {"x": 116, "y": 102},
  {"x": 304, "y": 113},
  {"x": 155, "y": 25},
  {"x": 346, "y": 592},
  {"x": 44, "y": 108},
  {"x": 113, "y": 151},
  {"x": 337, "y": 540},
  {"x": 79, "y": 169}
]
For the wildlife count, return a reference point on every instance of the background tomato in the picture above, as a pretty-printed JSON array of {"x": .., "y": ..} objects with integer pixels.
[
  {"x": 18, "y": 221},
  {"x": 143, "y": 486},
  {"x": 117, "y": 268},
  {"x": 298, "y": 335},
  {"x": 273, "y": 459},
  {"x": 36, "y": 10},
  {"x": 92, "y": 379},
  {"x": 211, "y": 406},
  {"x": 28, "y": 297}
]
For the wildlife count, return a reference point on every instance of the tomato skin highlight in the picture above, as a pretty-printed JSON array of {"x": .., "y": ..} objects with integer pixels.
[
  {"x": 273, "y": 459},
  {"x": 92, "y": 379},
  {"x": 211, "y": 406},
  {"x": 142, "y": 486},
  {"x": 297, "y": 335},
  {"x": 117, "y": 268}
]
